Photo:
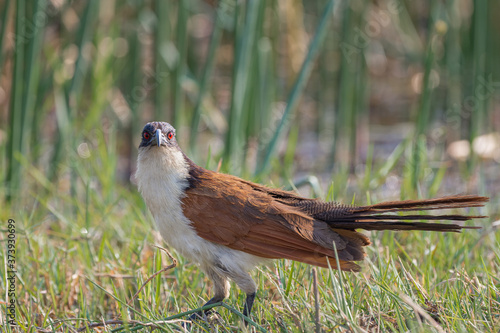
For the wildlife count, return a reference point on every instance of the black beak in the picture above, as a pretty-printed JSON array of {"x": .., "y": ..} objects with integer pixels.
[{"x": 159, "y": 137}]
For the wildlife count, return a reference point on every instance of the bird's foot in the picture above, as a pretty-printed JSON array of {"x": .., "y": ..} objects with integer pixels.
[
  {"x": 210, "y": 317},
  {"x": 203, "y": 315}
]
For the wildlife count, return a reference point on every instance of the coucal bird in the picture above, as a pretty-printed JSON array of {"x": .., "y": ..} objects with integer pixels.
[{"x": 229, "y": 225}]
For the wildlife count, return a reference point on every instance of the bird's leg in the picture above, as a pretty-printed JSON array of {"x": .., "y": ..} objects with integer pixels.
[
  {"x": 247, "y": 309},
  {"x": 246, "y": 284},
  {"x": 200, "y": 314},
  {"x": 221, "y": 286}
]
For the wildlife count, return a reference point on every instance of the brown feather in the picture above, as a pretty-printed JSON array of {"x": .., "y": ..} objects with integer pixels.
[{"x": 272, "y": 223}]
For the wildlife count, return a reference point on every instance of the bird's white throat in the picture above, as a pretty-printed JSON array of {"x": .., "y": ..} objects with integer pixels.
[
  {"x": 162, "y": 175},
  {"x": 162, "y": 178}
]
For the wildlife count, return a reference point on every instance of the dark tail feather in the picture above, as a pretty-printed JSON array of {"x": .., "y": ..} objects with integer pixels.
[
  {"x": 374, "y": 217},
  {"x": 428, "y": 204},
  {"x": 384, "y": 225}
]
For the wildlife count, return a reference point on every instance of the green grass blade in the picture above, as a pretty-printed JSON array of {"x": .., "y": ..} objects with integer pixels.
[
  {"x": 32, "y": 74},
  {"x": 5, "y": 12},
  {"x": 243, "y": 50},
  {"x": 454, "y": 60},
  {"x": 299, "y": 85},
  {"x": 424, "y": 110},
  {"x": 86, "y": 28},
  {"x": 207, "y": 74},
  {"x": 479, "y": 103},
  {"x": 180, "y": 69},
  {"x": 15, "y": 143},
  {"x": 161, "y": 42}
]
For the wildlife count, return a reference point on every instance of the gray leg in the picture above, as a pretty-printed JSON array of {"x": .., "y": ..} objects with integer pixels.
[
  {"x": 247, "y": 285},
  {"x": 248, "y": 304},
  {"x": 221, "y": 286}
]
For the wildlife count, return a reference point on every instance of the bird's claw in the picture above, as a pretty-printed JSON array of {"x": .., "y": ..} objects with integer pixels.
[{"x": 203, "y": 315}]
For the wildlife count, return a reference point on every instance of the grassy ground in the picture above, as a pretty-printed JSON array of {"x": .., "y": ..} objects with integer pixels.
[
  {"x": 366, "y": 97},
  {"x": 81, "y": 259}
]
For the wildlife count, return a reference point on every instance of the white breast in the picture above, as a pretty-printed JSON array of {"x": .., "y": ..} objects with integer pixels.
[{"x": 162, "y": 178}]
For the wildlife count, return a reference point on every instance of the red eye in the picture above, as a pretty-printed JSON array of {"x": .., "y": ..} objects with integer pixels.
[
  {"x": 146, "y": 136},
  {"x": 170, "y": 135}
]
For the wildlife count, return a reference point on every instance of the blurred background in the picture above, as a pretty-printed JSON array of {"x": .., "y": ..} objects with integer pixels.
[
  {"x": 374, "y": 95},
  {"x": 357, "y": 101}
]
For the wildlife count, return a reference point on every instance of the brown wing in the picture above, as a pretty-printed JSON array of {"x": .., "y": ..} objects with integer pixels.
[{"x": 234, "y": 213}]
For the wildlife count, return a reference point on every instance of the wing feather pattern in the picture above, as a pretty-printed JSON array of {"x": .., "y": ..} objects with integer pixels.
[
  {"x": 232, "y": 213},
  {"x": 272, "y": 223}
]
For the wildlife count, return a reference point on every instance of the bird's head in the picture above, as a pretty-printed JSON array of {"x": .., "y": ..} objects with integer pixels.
[
  {"x": 158, "y": 135},
  {"x": 159, "y": 151}
]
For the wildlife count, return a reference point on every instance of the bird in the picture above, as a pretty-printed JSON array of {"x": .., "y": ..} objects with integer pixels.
[{"x": 228, "y": 225}]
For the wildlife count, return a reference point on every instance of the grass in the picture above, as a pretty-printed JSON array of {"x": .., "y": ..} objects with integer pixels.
[
  {"x": 80, "y": 260},
  {"x": 286, "y": 93}
]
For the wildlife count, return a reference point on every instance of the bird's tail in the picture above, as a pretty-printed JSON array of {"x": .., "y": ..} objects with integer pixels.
[
  {"x": 386, "y": 215},
  {"x": 394, "y": 215}
]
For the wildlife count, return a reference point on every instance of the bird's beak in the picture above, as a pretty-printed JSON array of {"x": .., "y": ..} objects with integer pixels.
[{"x": 159, "y": 137}]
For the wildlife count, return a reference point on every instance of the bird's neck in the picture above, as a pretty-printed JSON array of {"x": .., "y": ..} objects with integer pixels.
[{"x": 161, "y": 169}]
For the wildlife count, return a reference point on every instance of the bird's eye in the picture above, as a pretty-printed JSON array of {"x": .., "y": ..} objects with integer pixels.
[
  {"x": 170, "y": 135},
  {"x": 146, "y": 136}
]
